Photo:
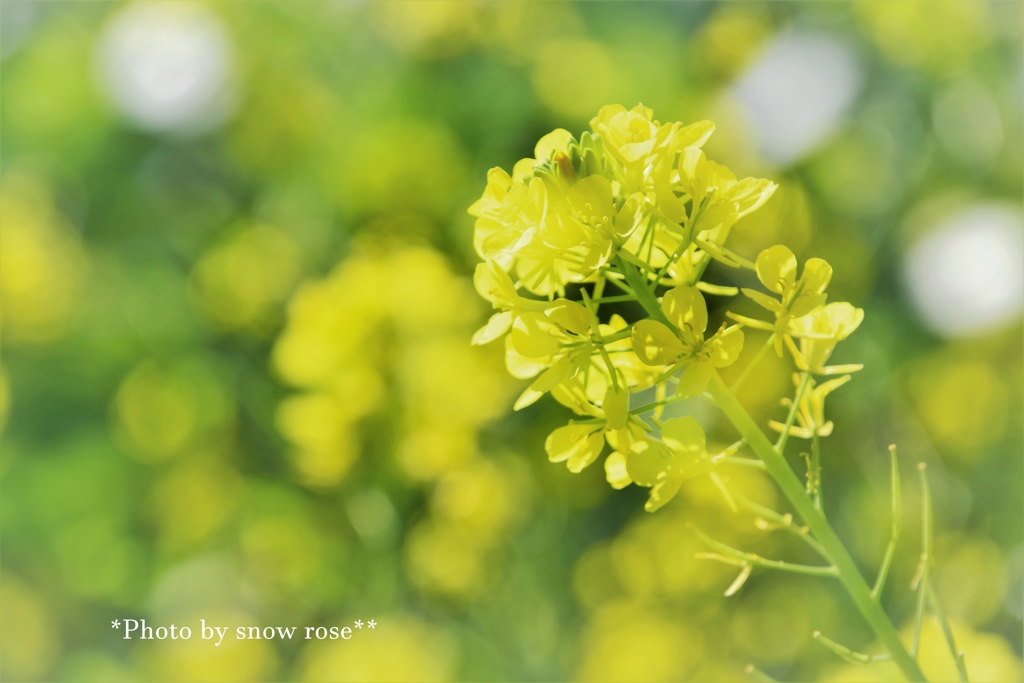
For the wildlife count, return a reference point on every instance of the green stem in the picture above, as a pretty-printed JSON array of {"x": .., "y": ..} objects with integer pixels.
[
  {"x": 613, "y": 299},
  {"x": 814, "y": 476},
  {"x": 644, "y": 293},
  {"x": 739, "y": 558},
  {"x": 794, "y": 491},
  {"x": 896, "y": 506},
  {"x": 846, "y": 653},
  {"x": 921, "y": 580},
  {"x": 780, "y": 445},
  {"x": 652, "y": 406}
]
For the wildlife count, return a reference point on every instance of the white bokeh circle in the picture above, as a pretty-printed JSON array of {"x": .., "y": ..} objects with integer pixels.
[
  {"x": 966, "y": 275},
  {"x": 167, "y": 66}
]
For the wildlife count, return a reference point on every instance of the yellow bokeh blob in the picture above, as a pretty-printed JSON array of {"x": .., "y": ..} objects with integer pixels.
[
  {"x": 42, "y": 264},
  {"x": 192, "y": 501},
  {"x": 160, "y": 410},
  {"x": 962, "y": 401},
  {"x": 632, "y": 643},
  {"x": 936, "y": 37},
  {"x": 398, "y": 649},
  {"x": 30, "y": 640},
  {"x": 575, "y": 77},
  {"x": 239, "y": 284},
  {"x": 446, "y": 557},
  {"x": 233, "y": 661}
]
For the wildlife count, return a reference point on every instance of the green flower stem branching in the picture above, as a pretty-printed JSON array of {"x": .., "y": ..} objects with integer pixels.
[
  {"x": 795, "y": 492},
  {"x": 896, "y": 506},
  {"x": 738, "y": 558},
  {"x": 782, "y": 521},
  {"x": 775, "y": 463}
]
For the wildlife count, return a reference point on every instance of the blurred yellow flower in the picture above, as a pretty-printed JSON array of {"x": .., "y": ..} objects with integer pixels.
[
  {"x": 42, "y": 264},
  {"x": 162, "y": 409},
  {"x": 239, "y": 284},
  {"x": 936, "y": 37},
  {"x": 400, "y": 648},
  {"x": 31, "y": 640}
]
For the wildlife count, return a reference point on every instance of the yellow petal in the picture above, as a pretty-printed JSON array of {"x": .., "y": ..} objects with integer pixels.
[
  {"x": 816, "y": 276},
  {"x": 616, "y": 407},
  {"x": 629, "y": 216},
  {"x": 749, "y": 194},
  {"x": 569, "y": 315},
  {"x": 586, "y": 454},
  {"x": 495, "y": 285},
  {"x": 567, "y": 441},
  {"x": 695, "y": 379},
  {"x": 776, "y": 268},
  {"x": 591, "y": 198},
  {"x": 648, "y": 462},
  {"x": 763, "y": 300},
  {"x": 684, "y": 436},
  {"x": 726, "y": 346},
  {"x": 663, "y": 493},
  {"x": 495, "y": 327},
  {"x": 556, "y": 141},
  {"x": 695, "y": 134},
  {"x": 615, "y": 471},
  {"x": 655, "y": 344},
  {"x": 527, "y": 398},
  {"x": 520, "y": 366},
  {"x": 553, "y": 375},
  {"x": 534, "y": 336},
  {"x": 684, "y": 306}
]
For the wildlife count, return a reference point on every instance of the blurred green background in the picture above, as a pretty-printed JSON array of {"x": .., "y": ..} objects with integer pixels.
[{"x": 237, "y": 381}]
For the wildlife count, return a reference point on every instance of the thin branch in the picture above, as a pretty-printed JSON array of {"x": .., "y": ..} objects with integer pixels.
[
  {"x": 758, "y": 675},
  {"x": 780, "y": 445},
  {"x": 920, "y": 582},
  {"x": 748, "y": 462},
  {"x": 848, "y": 654},
  {"x": 927, "y": 587},
  {"x": 739, "y": 558},
  {"x": 896, "y": 507},
  {"x": 783, "y": 522},
  {"x": 940, "y": 615}
]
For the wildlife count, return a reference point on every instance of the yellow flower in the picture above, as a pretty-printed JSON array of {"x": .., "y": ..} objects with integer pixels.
[
  {"x": 629, "y": 135},
  {"x": 819, "y": 333},
  {"x": 495, "y": 285},
  {"x": 665, "y": 465},
  {"x": 509, "y": 216},
  {"x": 776, "y": 269},
  {"x": 656, "y": 344},
  {"x": 579, "y": 444},
  {"x": 594, "y": 224},
  {"x": 811, "y": 414}
]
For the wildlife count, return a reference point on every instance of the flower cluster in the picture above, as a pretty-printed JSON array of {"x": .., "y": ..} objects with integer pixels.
[{"x": 634, "y": 205}]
